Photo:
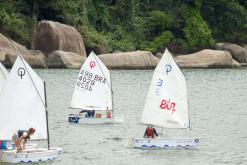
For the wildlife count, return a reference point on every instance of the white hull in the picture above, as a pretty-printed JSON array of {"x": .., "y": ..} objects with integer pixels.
[
  {"x": 74, "y": 118},
  {"x": 162, "y": 143},
  {"x": 27, "y": 146},
  {"x": 30, "y": 155}
]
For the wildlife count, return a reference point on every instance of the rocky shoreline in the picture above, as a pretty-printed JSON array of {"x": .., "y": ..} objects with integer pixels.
[{"x": 56, "y": 45}]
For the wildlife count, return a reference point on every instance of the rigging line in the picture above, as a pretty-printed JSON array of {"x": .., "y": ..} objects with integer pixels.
[
  {"x": 190, "y": 132},
  {"x": 104, "y": 74},
  {"x": 161, "y": 134},
  {"x": 47, "y": 122},
  {"x": 3, "y": 73},
  {"x": 32, "y": 81},
  {"x": 1, "y": 69}
]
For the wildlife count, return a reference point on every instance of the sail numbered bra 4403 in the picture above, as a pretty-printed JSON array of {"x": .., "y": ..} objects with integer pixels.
[
  {"x": 93, "y": 86},
  {"x": 167, "y": 101}
]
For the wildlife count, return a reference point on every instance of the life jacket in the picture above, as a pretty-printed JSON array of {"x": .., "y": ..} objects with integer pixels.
[
  {"x": 150, "y": 132},
  {"x": 20, "y": 133}
]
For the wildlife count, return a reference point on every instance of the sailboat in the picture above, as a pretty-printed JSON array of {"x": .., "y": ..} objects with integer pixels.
[
  {"x": 166, "y": 106},
  {"x": 23, "y": 105},
  {"x": 3, "y": 75},
  {"x": 93, "y": 94}
]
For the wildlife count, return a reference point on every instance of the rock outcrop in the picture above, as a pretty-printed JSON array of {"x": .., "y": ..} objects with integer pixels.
[
  {"x": 68, "y": 60},
  {"x": 238, "y": 53},
  {"x": 207, "y": 59},
  {"x": 34, "y": 61},
  {"x": 159, "y": 55},
  {"x": 51, "y": 36},
  {"x": 9, "y": 50},
  {"x": 130, "y": 60}
]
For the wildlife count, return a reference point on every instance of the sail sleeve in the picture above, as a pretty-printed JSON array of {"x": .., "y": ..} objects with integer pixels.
[
  {"x": 93, "y": 86},
  {"x": 22, "y": 102},
  {"x": 167, "y": 101}
]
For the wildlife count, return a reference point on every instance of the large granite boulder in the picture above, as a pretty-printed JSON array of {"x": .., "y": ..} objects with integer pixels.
[
  {"x": 9, "y": 50},
  {"x": 236, "y": 64},
  {"x": 51, "y": 36},
  {"x": 159, "y": 55},
  {"x": 130, "y": 60},
  {"x": 2, "y": 55},
  {"x": 207, "y": 59},
  {"x": 61, "y": 59},
  {"x": 238, "y": 53},
  {"x": 34, "y": 61}
]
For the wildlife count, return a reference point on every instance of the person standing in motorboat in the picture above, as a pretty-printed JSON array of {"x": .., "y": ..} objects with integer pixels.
[
  {"x": 150, "y": 132},
  {"x": 20, "y": 138}
]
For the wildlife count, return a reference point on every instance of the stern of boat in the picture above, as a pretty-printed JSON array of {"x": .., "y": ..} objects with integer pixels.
[{"x": 30, "y": 155}]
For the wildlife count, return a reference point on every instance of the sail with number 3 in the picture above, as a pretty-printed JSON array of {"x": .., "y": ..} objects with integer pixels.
[
  {"x": 93, "y": 86},
  {"x": 166, "y": 105}
]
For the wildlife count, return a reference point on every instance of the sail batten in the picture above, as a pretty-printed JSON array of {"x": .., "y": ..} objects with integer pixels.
[
  {"x": 93, "y": 87},
  {"x": 22, "y": 102},
  {"x": 167, "y": 101}
]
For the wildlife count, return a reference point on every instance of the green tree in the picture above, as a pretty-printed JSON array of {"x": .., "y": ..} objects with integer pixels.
[
  {"x": 227, "y": 19},
  {"x": 197, "y": 32}
]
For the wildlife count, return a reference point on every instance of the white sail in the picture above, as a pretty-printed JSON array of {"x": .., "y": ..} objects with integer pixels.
[
  {"x": 93, "y": 86},
  {"x": 3, "y": 75},
  {"x": 22, "y": 102},
  {"x": 167, "y": 101}
]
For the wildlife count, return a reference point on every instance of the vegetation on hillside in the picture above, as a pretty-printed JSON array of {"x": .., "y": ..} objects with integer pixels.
[{"x": 111, "y": 25}]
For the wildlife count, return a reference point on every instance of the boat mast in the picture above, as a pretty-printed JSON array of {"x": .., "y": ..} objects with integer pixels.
[
  {"x": 112, "y": 103},
  {"x": 46, "y": 112}
]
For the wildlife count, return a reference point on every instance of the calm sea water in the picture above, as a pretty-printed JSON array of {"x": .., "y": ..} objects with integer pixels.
[{"x": 218, "y": 117}]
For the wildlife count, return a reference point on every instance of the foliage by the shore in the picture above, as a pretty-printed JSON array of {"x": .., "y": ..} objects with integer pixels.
[{"x": 109, "y": 25}]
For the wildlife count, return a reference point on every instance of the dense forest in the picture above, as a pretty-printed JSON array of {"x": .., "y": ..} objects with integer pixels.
[{"x": 125, "y": 25}]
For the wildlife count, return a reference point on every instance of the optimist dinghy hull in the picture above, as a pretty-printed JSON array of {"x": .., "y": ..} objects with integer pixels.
[
  {"x": 74, "y": 118},
  {"x": 28, "y": 146},
  {"x": 30, "y": 155},
  {"x": 161, "y": 143}
]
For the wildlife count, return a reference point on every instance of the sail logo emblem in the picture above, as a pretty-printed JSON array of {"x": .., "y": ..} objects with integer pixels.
[
  {"x": 92, "y": 64},
  {"x": 21, "y": 72},
  {"x": 168, "y": 105},
  {"x": 168, "y": 68}
]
